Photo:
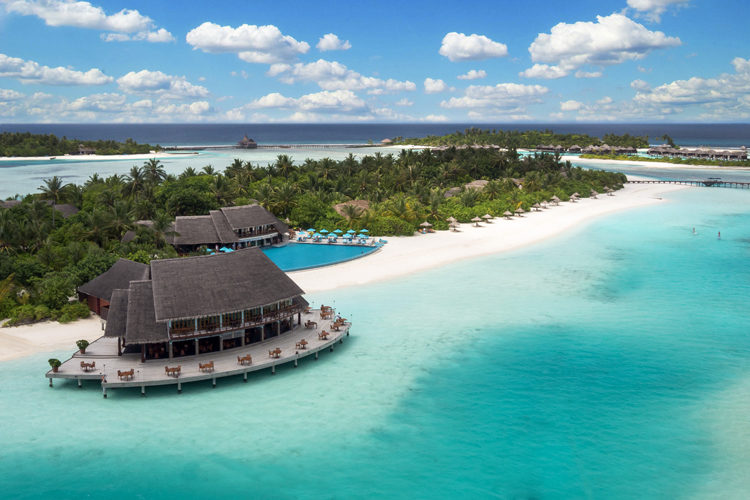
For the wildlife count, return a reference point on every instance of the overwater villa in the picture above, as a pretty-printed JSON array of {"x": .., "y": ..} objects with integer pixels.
[
  {"x": 235, "y": 227},
  {"x": 227, "y": 310},
  {"x": 701, "y": 153},
  {"x": 247, "y": 143}
]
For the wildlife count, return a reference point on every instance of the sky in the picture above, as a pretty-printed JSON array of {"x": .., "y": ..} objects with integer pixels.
[{"x": 501, "y": 61}]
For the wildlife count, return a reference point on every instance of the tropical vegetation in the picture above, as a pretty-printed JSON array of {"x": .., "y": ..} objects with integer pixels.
[
  {"x": 677, "y": 161},
  {"x": 28, "y": 144},
  {"x": 44, "y": 257},
  {"x": 527, "y": 139}
]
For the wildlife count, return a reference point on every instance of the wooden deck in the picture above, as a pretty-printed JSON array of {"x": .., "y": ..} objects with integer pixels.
[
  {"x": 103, "y": 352},
  {"x": 703, "y": 183}
]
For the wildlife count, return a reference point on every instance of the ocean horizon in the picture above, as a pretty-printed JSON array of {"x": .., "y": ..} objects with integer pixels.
[{"x": 167, "y": 134}]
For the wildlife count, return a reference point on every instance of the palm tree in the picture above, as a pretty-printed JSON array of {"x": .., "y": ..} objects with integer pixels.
[
  {"x": 162, "y": 228},
  {"x": 52, "y": 190},
  {"x": 492, "y": 190},
  {"x": 351, "y": 212},
  {"x": 154, "y": 171},
  {"x": 208, "y": 170},
  {"x": 136, "y": 182},
  {"x": 284, "y": 196},
  {"x": 284, "y": 165},
  {"x": 120, "y": 218},
  {"x": 188, "y": 172}
]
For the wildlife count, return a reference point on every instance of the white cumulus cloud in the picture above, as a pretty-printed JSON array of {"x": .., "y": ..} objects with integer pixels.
[
  {"x": 331, "y": 41},
  {"x": 473, "y": 75},
  {"x": 127, "y": 24},
  {"x": 612, "y": 39},
  {"x": 501, "y": 99},
  {"x": 10, "y": 95},
  {"x": 156, "y": 82},
  {"x": 33, "y": 72},
  {"x": 571, "y": 105},
  {"x": 653, "y": 9},
  {"x": 461, "y": 47},
  {"x": 404, "y": 102},
  {"x": 332, "y": 75},
  {"x": 251, "y": 43},
  {"x": 434, "y": 86}
]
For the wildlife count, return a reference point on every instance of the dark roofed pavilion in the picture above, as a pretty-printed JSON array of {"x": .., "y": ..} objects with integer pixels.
[
  {"x": 200, "y": 304},
  {"x": 98, "y": 292}
]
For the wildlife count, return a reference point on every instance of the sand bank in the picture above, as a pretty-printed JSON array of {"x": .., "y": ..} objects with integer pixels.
[
  {"x": 401, "y": 256},
  {"x": 146, "y": 156},
  {"x": 404, "y": 255},
  {"x": 20, "y": 341}
]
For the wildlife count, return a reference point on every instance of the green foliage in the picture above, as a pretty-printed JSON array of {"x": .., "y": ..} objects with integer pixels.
[
  {"x": 28, "y": 144},
  {"x": 53, "y": 290},
  {"x": 82, "y": 344},
  {"x": 54, "y": 363},
  {"x": 523, "y": 139},
  {"x": 71, "y": 312}
]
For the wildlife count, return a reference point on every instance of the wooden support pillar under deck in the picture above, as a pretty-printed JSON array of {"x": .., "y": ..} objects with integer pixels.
[{"x": 119, "y": 346}]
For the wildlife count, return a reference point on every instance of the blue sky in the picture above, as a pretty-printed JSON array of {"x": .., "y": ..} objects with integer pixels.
[{"x": 323, "y": 61}]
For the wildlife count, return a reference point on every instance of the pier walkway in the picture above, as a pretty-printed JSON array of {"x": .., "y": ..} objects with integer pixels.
[
  {"x": 702, "y": 183},
  {"x": 103, "y": 352}
]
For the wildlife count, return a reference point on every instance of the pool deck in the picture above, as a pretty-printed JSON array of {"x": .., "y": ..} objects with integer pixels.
[{"x": 103, "y": 352}]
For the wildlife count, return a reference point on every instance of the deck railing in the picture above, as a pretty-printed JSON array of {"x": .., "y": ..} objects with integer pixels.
[{"x": 188, "y": 332}]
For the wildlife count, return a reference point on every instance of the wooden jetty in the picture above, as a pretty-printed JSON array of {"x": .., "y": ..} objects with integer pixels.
[
  {"x": 700, "y": 183},
  {"x": 269, "y": 146},
  {"x": 300, "y": 342}
]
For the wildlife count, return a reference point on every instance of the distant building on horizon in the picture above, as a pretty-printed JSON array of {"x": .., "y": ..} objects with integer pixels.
[{"x": 247, "y": 143}]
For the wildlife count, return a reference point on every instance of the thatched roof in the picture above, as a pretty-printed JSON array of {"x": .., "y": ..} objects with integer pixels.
[
  {"x": 195, "y": 230},
  {"x": 141, "y": 326},
  {"x": 119, "y": 275},
  {"x": 118, "y": 314},
  {"x": 213, "y": 284},
  {"x": 246, "y": 216},
  {"x": 223, "y": 229},
  {"x": 66, "y": 210},
  {"x": 477, "y": 185},
  {"x": 9, "y": 203}
]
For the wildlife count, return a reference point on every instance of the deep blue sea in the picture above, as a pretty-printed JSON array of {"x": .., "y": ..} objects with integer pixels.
[{"x": 720, "y": 134}]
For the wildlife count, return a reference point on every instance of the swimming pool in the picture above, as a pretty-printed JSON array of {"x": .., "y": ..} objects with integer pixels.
[{"x": 298, "y": 256}]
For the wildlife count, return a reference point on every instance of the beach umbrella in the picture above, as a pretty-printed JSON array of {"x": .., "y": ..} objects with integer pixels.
[
  {"x": 225, "y": 249},
  {"x": 425, "y": 224},
  {"x": 311, "y": 230},
  {"x": 338, "y": 231},
  {"x": 555, "y": 200},
  {"x": 507, "y": 214},
  {"x": 476, "y": 221},
  {"x": 324, "y": 231},
  {"x": 576, "y": 195},
  {"x": 454, "y": 226},
  {"x": 487, "y": 216},
  {"x": 594, "y": 194},
  {"x": 451, "y": 220},
  {"x": 537, "y": 206},
  {"x": 520, "y": 211},
  {"x": 351, "y": 231},
  {"x": 364, "y": 231}
]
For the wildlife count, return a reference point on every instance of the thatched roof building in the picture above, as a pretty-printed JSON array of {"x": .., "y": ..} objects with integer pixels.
[
  {"x": 247, "y": 225},
  {"x": 247, "y": 143},
  {"x": 98, "y": 292},
  {"x": 200, "y": 301}
]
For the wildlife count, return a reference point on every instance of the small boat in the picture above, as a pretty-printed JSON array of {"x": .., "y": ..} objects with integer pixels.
[{"x": 53, "y": 157}]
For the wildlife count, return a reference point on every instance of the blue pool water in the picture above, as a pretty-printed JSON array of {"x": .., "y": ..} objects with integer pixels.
[
  {"x": 612, "y": 362},
  {"x": 297, "y": 256}
]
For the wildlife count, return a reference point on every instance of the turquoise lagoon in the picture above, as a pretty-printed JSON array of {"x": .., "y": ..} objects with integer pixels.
[{"x": 612, "y": 362}]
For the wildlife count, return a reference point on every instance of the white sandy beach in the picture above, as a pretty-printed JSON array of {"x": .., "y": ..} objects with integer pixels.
[
  {"x": 401, "y": 256},
  {"x": 409, "y": 254},
  {"x": 145, "y": 156}
]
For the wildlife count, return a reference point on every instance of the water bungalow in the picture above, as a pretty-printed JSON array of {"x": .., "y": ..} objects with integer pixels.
[
  {"x": 247, "y": 143},
  {"x": 235, "y": 227},
  {"x": 97, "y": 293},
  {"x": 701, "y": 153},
  {"x": 85, "y": 150},
  {"x": 220, "y": 312}
]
